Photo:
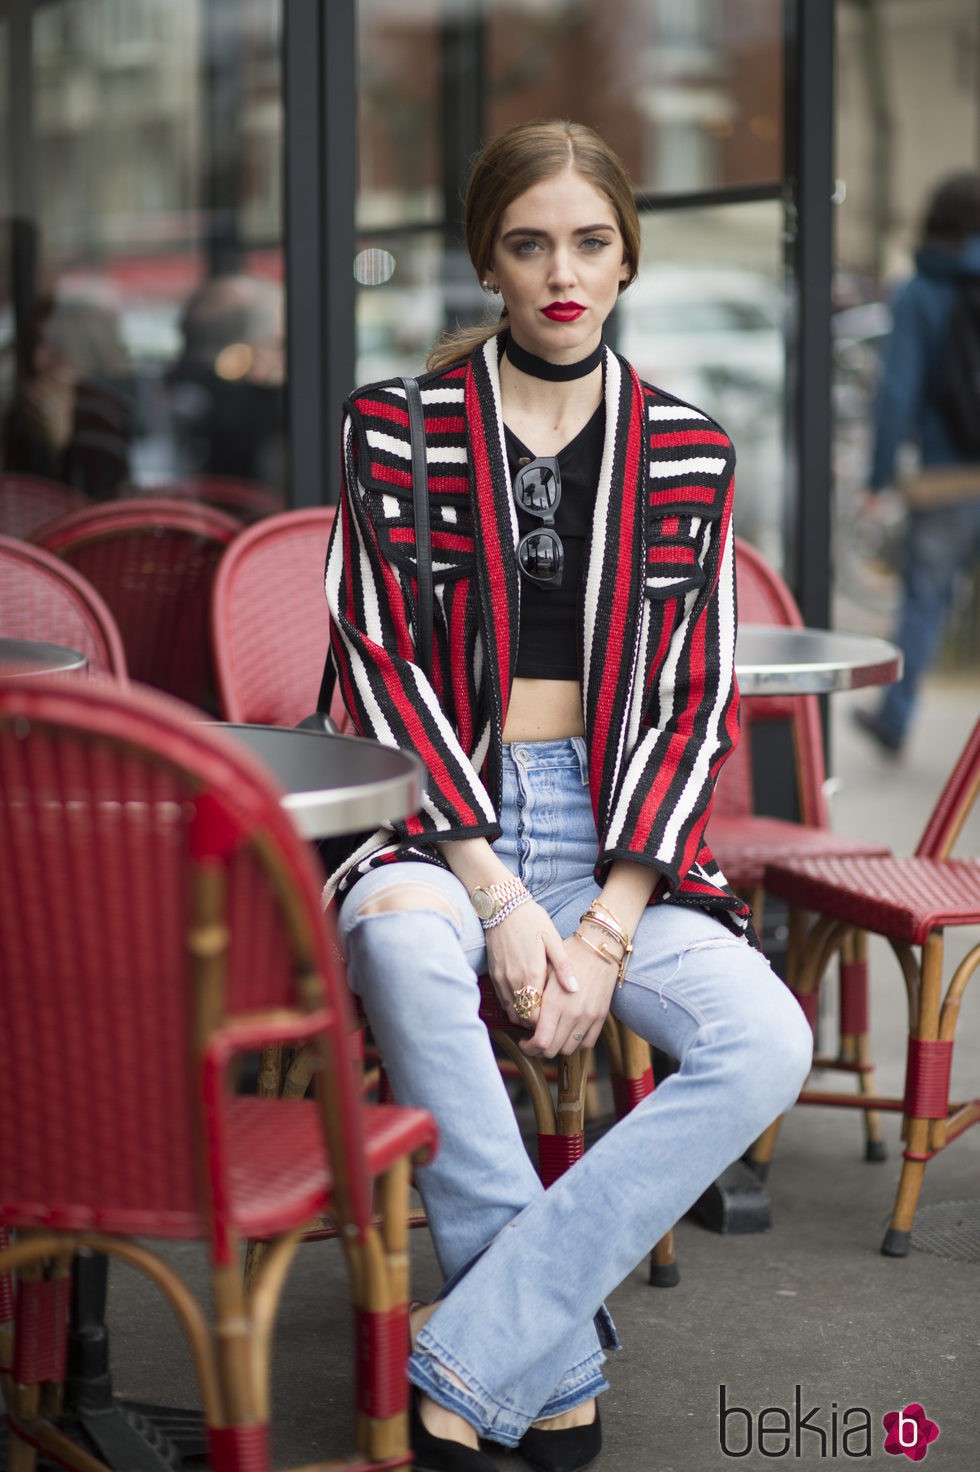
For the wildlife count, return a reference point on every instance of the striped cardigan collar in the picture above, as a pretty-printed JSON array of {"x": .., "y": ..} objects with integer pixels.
[{"x": 615, "y": 558}]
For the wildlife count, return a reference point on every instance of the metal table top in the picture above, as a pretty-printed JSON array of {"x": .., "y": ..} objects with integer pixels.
[
  {"x": 775, "y": 660},
  {"x": 335, "y": 784},
  {"x": 20, "y": 657}
]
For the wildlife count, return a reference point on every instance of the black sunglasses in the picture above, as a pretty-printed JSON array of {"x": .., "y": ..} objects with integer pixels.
[{"x": 537, "y": 490}]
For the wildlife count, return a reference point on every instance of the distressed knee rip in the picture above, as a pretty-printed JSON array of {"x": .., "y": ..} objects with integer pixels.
[
  {"x": 715, "y": 943},
  {"x": 407, "y": 896}
]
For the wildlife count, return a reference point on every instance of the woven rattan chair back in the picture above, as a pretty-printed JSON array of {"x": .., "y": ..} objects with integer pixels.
[
  {"x": 27, "y": 502},
  {"x": 153, "y": 561},
  {"x": 157, "y": 907},
  {"x": 41, "y": 597},
  {"x": 764, "y": 598},
  {"x": 269, "y": 623},
  {"x": 954, "y": 804}
]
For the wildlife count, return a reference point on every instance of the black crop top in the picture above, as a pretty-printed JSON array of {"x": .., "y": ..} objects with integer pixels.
[{"x": 546, "y": 647}]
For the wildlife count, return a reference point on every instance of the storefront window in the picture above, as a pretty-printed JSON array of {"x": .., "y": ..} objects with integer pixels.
[
  {"x": 705, "y": 321},
  {"x": 690, "y": 94},
  {"x": 148, "y": 350},
  {"x": 908, "y": 114}
]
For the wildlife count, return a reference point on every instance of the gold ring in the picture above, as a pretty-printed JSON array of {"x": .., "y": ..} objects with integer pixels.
[{"x": 526, "y": 1001}]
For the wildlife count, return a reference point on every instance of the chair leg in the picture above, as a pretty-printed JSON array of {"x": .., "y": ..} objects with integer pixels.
[
  {"x": 664, "y": 1272},
  {"x": 569, "y": 1143},
  {"x": 920, "y": 1107},
  {"x": 232, "y": 1346},
  {"x": 760, "y": 1155},
  {"x": 855, "y": 1040},
  {"x": 631, "y": 1066},
  {"x": 379, "y": 1275}
]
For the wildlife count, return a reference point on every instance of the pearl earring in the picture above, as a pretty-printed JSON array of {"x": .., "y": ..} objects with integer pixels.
[{"x": 487, "y": 287}]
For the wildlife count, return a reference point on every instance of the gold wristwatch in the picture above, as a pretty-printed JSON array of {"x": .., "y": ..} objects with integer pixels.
[{"x": 489, "y": 899}]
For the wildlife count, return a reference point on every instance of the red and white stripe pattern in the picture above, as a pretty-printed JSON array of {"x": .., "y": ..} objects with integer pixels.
[{"x": 656, "y": 634}]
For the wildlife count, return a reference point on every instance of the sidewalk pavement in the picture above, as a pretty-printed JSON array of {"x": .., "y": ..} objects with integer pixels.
[{"x": 810, "y": 1304}]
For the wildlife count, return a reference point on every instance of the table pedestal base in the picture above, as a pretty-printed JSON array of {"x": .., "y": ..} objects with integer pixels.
[
  {"x": 125, "y": 1434},
  {"x": 736, "y": 1202}
]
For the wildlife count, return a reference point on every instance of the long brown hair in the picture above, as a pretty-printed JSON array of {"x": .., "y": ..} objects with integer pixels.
[{"x": 506, "y": 168}]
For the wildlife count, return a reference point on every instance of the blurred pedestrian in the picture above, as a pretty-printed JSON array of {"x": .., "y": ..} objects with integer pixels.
[{"x": 942, "y": 538}]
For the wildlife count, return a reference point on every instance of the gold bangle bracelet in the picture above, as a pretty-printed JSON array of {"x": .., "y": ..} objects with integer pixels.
[
  {"x": 599, "y": 950},
  {"x": 620, "y": 962},
  {"x": 612, "y": 919},
  {"x": 599, "y": 915},
  {"x": 588, "y": 919}
]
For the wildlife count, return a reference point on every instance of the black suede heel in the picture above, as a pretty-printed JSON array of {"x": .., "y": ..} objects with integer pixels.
[
  {"x": 562, "y": 1451},
  {"x": 439, "y": 1454}
]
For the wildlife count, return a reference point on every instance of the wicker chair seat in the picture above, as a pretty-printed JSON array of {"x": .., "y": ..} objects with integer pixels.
[
  {"x": 744, "y": 847},
  {"x": 902, "y": 898},
  {"x": 277, "y": 1177}
]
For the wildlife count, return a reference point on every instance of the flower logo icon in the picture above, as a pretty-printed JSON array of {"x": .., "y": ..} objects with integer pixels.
[{"x": 909, "y": 1432}]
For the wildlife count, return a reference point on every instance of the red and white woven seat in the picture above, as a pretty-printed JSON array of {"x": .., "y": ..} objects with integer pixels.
[{"x": 902, "y": 898}]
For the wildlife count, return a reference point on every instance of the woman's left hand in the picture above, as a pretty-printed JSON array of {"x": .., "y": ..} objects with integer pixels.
[{"x": 568, "y": 1021}]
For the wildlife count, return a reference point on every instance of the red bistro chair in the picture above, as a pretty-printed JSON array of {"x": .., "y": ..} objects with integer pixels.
[
  {"x": 269, "y": 625},
  {"x": 27, "y": 502},
  {"x": 196, "y": 935},
  {"x": 745, "y": 840},
  {"x": 912, "y": 902},
  {"x": 41, "y": 597},
  {"x": 153, "y": 561}
]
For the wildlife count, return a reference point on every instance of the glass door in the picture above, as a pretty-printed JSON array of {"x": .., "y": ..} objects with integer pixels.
[{"x": 141, "y": 323}]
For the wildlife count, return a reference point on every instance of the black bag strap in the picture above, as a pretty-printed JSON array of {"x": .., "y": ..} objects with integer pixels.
[
  {"x": 423, "y": 548},
  {"x": 423, "y": 537}
]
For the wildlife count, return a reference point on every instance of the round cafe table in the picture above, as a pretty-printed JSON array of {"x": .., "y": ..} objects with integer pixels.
[
  {"x": 775, "y": 660},
  {"x": 334, "y": 784},
  {"x": 20, "y": 657}
]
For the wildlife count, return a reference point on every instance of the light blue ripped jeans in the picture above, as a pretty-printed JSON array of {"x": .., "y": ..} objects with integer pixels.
[{"x": 520, "y": 1331}]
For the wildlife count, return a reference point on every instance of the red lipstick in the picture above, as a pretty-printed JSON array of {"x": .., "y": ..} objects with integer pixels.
[{"x": 563, "y": 311}]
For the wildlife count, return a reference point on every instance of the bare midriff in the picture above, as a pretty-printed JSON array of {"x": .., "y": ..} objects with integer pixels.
[{"x": 544, "y": 710}]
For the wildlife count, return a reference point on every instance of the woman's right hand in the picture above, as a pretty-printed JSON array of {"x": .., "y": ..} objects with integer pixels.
[{"x": 525, "y": 950}]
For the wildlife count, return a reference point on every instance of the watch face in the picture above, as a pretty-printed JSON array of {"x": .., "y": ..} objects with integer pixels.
[{"x": 484, "y": 903}]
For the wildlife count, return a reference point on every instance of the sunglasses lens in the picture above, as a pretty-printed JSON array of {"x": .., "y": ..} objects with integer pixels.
[
  {"x": 541, "y": 557},
  {"x": 537, "y": 489}
]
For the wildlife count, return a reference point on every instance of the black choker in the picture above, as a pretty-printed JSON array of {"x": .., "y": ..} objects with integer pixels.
[{"x": 537, "y": 367}]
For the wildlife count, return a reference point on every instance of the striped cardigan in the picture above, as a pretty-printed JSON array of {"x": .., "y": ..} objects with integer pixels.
[{"x": 655, "y": 627}]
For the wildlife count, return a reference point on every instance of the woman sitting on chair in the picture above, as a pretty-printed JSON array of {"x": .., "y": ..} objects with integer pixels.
[{"x": 580, "y": 704}]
